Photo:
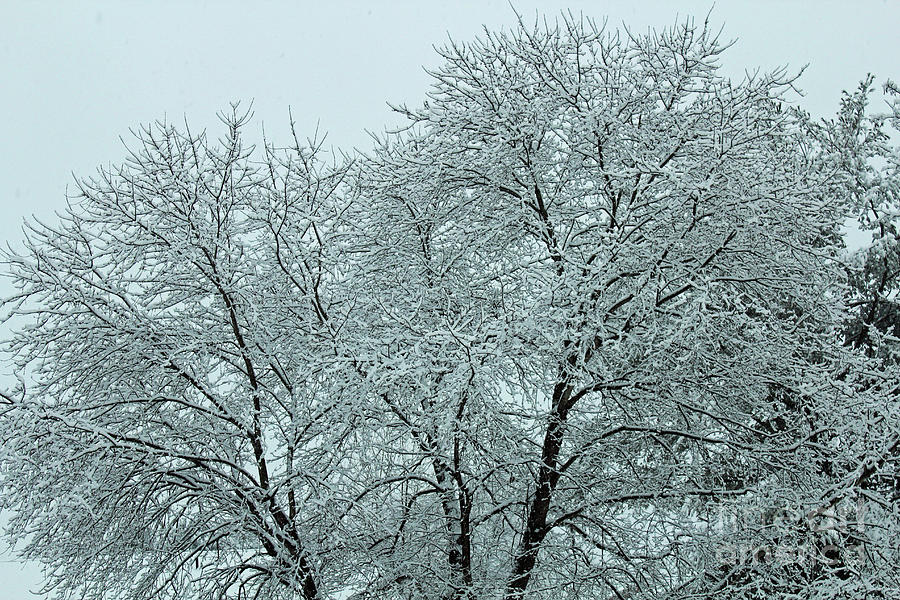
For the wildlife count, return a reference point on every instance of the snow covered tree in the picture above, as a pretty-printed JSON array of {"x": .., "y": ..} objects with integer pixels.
[
  {"x": 172, "y": 440},
  {"x": 614, "y": 308},
  {"x": 542, "y": 343}
]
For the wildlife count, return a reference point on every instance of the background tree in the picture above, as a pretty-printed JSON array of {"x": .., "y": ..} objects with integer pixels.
[
  {"x": 860, "y": 147},
  {"x": 843, "y": 546}
]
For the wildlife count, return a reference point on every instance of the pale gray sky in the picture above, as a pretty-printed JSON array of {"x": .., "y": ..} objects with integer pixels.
[{"x": 75, "y": 76}]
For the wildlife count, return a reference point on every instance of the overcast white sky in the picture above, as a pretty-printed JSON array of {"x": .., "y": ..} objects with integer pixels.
[{"x": 75, "y": 76}]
